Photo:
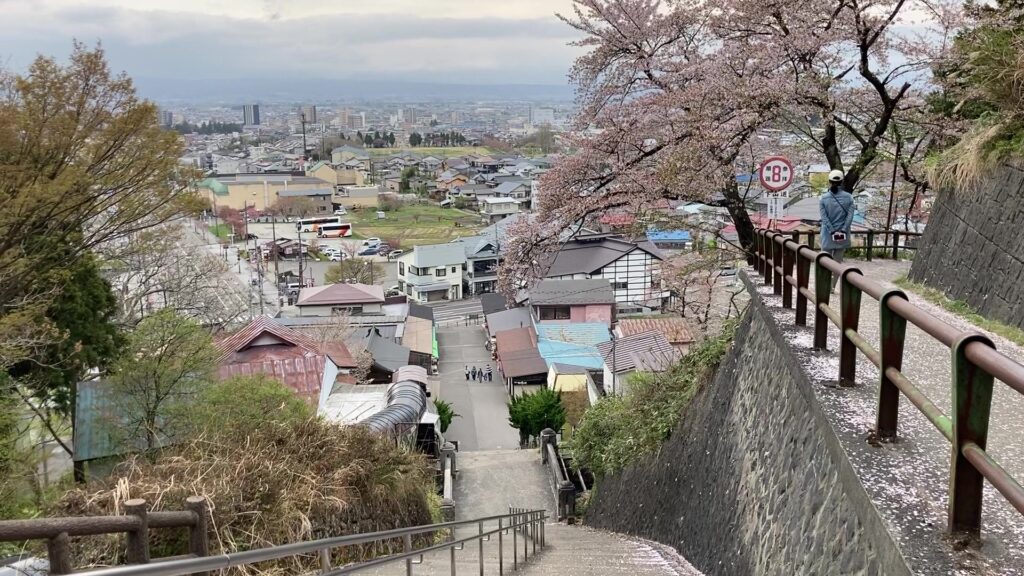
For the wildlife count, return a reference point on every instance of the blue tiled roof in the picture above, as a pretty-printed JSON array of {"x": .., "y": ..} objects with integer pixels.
[
  {"x": 553, "y": 351},
  {"x": 663, "y": 235},
  {"x": 583, "y": 333}
]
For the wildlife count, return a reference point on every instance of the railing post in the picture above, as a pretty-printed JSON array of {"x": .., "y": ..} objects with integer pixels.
[
  {"x": 896, "y": 245},
  {"x": 407, "y": 547},
  {"x": 803, "y": 277},
  {"x": 480, "y": 542},
  {"x": 850, "y": 319},
  {"x": 823, "y": 294},
  {"x": 758, "y": 253},
  {"x": 871, "y": 243},
  {"x": 893, "y": 333},
  {"x": 777, "y": 250},
  {"x": 787, "y": 271},
  {"x": 58, "y": 551},
  {"x": 972, "y": 401},
  {"x": 325, "y": 560},
  {"x": 515, "y": 542},
  {"x": 769, "y": 255},
  {"x": 138, "y": 540},
  {"x": 501, "y": 551},
  {"x": 526, "y": 536},
  {"x": 810, "y": 240}
]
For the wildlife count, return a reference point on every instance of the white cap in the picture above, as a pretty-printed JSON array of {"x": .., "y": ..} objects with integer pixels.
[{"x": 835, "y": 176}]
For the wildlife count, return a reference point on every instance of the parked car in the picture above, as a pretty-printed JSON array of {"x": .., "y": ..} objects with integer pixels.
[
  {"x": 340, "y": 212},
  {"x": 368, "y": 251},
  {"x": 395, "y": 254},
  {"x": 383, "y": 249},
  {"x": 393, "y": 291},
  {"x": 251, "y": 236},
  {"x": 371, "y": 241}
]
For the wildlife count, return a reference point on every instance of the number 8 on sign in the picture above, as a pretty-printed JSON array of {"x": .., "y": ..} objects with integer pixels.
[{"x": 776, "y": 173}]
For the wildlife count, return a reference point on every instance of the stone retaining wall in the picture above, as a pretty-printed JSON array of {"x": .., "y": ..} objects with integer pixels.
[
  {"x": 973, "y": 247},
  {"x": 753, "y": 480}
]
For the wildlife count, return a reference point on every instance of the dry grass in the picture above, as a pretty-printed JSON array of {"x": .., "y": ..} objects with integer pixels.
[
  {"x": 277, "y": 484},
  {"x": 964, "y": 166}
]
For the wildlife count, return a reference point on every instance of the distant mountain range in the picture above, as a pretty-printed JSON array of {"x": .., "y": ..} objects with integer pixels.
[{"x": 278, "y": 90}]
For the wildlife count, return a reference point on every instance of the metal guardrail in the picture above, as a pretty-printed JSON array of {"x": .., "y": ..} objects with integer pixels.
[
  {"x": 786, "y": 266},
  {"x": 528, "y": 523},
  {"x": 868, "y": 241},
  {"x": 136, "y": 523}
]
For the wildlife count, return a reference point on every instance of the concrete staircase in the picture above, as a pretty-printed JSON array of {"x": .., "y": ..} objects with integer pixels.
[{"x": 489, "y": 482}]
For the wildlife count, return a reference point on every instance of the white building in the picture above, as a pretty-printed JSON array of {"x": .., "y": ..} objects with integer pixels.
[
  {"x": 432, "y": 272},
  {"x": 498, "y": 208},
  {"x": 633, "y": 268}
]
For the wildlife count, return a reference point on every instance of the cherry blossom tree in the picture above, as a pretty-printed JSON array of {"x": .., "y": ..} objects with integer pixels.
[{"x": 675, "y": 96}]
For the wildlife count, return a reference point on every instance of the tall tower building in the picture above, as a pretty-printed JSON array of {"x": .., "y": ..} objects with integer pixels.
[
  {"x": 166, "y": 118},
  {"x": 308, "y": 114},
  {"x": 251, "y": 114}
]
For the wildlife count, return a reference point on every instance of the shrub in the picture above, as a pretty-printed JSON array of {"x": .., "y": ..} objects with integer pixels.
[
  {"x": 532, "y": 412},
  {"x": 445, "y": 414},
  {"x": 618, "y": 430}
]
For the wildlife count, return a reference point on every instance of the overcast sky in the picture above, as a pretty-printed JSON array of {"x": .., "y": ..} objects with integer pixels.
[{"x": 450, "y": 41}]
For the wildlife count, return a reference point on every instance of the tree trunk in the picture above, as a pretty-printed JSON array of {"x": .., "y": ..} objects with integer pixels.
[{"x": 740, "y": 218}]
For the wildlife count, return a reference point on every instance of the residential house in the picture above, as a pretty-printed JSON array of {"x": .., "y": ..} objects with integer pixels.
[
  {"x": 670, "y": 239},
  {"x": 518, "y": 189},
  {"x": 264, "y": 346},
  {"x": 482, "y": 260},
  {"x": 573, "y": 301},
  {"x": 341, "y": 298},
  {"x": 450, "y": 178},
  {"x": 574, "y": 344},
  {"x": 419, "y": 337},
  {"x": 675, "y": 329},
  {"x": 388, "y": 357},
  {"x": 432, "y": 272},
  {"x": 495, "y": 208},
  {"x": 632, "y": 268},
  {"x": 350, "y": 156},
  {"x": 644, "y": 352},
  {"x": 519, "y": 360},
  {"x": 260, "y": 191}
]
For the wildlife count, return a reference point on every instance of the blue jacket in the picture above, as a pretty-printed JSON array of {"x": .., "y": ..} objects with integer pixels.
[{"x": 836, "y": 214}]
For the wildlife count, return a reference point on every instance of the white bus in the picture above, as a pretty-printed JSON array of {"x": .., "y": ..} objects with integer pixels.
[
  {"x": 310, "y": 224},
  {"x": 333, "y": 230}
]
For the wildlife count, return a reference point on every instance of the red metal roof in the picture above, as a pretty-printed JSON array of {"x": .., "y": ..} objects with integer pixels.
[
  {"x": 341, "y": 294},
  {"x": 266, "y": 347}
]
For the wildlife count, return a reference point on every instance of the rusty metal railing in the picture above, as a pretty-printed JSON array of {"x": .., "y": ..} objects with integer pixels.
[
  {"x": 136, "y": 522},
  {"x": 786, "y": 266},
  {"x": 868, "y": 241}
]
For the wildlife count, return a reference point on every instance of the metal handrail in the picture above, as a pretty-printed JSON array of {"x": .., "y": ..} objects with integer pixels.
[
  {"x": 531, "y": 519},
  {"x": 976, "y": 363}
]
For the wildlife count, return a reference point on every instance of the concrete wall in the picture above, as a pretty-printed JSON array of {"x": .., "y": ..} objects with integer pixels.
[
  {"x": 753, "y": 480},
  {"x": 973, "y": 247}
]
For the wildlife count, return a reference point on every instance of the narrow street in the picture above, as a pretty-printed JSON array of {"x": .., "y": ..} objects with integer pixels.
[{"x": 484, "y": 421}]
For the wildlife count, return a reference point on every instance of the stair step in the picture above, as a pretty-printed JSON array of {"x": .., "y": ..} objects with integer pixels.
[{"x": 570, "y": 551}]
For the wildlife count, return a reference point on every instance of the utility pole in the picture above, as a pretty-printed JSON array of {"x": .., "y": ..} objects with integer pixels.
[
  {"x": 892, "y": 193},
  {"x": 302, "y": 284}
]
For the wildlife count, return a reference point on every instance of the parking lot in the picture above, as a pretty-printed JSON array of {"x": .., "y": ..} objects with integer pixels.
[{"x": 265, "y": 232}]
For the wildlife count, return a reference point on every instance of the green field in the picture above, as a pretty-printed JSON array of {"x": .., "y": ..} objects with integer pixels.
[
  {"x": 416, "y": 224},
  {"x": 446, "y": 152},
  {"x": 221, "y": 230}
]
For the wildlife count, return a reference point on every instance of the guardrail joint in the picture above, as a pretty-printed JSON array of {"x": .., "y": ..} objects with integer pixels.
[{"x": 972, "y": 403}]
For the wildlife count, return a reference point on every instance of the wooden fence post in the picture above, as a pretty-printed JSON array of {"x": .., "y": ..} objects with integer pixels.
[
  {"x": 58, "y": 550},
  {"x": 138, "y": 540}
]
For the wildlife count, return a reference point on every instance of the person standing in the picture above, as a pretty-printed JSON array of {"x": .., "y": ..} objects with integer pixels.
[
  {"x": 467, "y": 372},
  {"x": 472, "y": 372},
  {"x": 490, "y": 374},
  {"x": 836, "y": 208}
]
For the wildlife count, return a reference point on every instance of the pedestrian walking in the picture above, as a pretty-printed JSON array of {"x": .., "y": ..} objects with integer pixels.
[
  {"x": 480, "y": 374},
  {"x": 472, "y": 372},
  {"x": 490, "y": 374},
  {"x": 836, "y": 210},
  {"x": 467, "y": 372}
]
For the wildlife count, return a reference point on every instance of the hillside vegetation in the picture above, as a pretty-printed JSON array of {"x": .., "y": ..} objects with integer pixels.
[{"x": 619, "y": 430}]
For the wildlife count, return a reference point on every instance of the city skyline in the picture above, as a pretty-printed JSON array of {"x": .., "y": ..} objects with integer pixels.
[{"x": 388, "y": 42}]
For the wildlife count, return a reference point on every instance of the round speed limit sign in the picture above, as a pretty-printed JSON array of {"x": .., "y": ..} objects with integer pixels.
[{"x": 776, "y": 173}]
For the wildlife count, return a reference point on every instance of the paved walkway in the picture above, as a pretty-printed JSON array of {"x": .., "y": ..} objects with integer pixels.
[
  {"x": 484, "y": 421},
  {"x": 909, "y": 480}
]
